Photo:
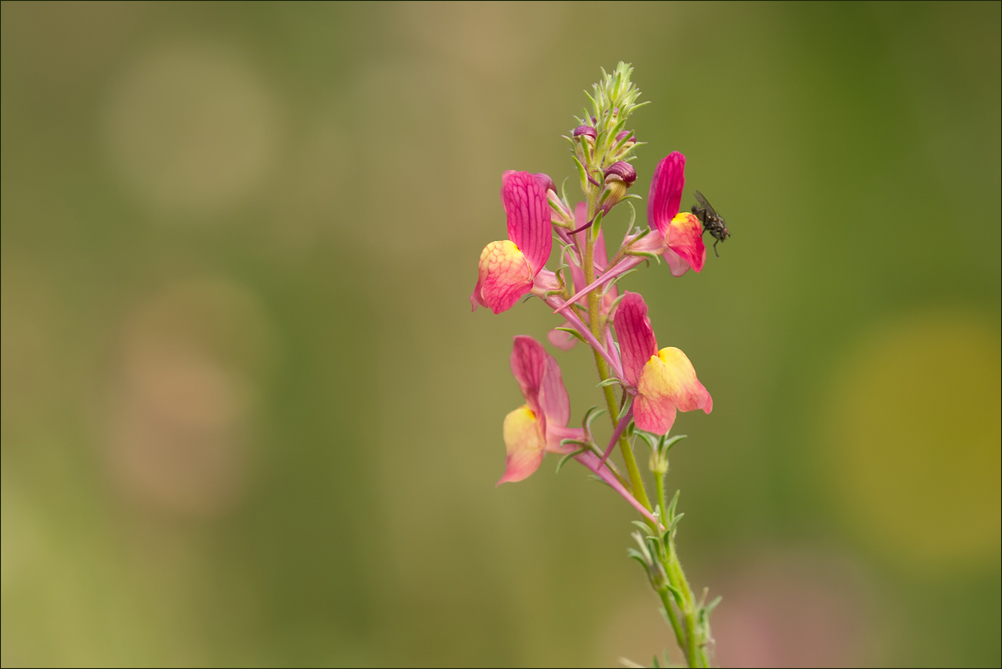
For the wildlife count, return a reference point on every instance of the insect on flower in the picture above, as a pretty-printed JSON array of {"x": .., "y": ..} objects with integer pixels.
[{"x": 712, "y": 221}]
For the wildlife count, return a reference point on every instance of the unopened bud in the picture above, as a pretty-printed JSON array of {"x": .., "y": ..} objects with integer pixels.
[
  {"x": 621, "y": 171},
  {"x": 585, "y": 130},
  {"x": 624, "y": 134}
]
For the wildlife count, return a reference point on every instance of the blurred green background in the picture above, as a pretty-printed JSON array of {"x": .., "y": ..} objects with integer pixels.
[{"x": 248, "y": 418}]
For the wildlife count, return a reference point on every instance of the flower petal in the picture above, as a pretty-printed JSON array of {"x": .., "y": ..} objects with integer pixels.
[
  {"x": 541, "y": 382},
  {"x": 666, "y": 192},
  {"x": 655, "y": 415},
  {"x": 655, "y": 397},
  {"x": 677, "y": 266},
  {"x": 668, "y": 382},
  {"x": 528, "y": 213},
  {"x": 505, "y": 276},
  {"x": 528, "y": 365},
  {"x": 687, "y": 392},
  {"x": 685, "y": 241},
  {"x": 523, "y": 440},
  {"x": 636, "y": 337},
  {"x": 553, "y": 398}
]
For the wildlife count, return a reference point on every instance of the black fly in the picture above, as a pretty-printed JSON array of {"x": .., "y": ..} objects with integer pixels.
[{"x": 711, "y": 220}]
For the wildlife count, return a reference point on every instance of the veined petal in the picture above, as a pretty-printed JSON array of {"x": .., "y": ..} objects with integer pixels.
[
  {"x": 528, "y": 212},
  {"x": 528, "y": 365},
  {"x": 666, "y": 192},
  {"x": 523, "y": 440},
  {"x": 505, "y": 276},
  {"x": 553, "y": 399},
  {"x": 685, "y": 243},
  {"x": 541, "y": 382},
  {"x": 653, "y": 415},
  {"x": 636, "y": 336}
]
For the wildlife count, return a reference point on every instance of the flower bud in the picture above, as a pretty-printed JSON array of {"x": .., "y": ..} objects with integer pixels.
[
  {"x": 618, "y": 177},
  {"x": 585, "y": 130},
  {"x": 624, "y": 134},
  {"x": 621, "y": 171}
]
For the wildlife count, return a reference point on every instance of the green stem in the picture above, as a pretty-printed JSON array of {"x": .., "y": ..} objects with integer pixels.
[
  {"x": 594, "y": 323},
  {"x": 668, "y": 603}
]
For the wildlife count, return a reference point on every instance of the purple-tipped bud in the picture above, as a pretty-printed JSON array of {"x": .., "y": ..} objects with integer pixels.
[
  {"x": 624, "y": 134},
  {"x": 621, "y": 171},
  {"x": 585, "y": 130},
  {"x": 545, "y": 181}
]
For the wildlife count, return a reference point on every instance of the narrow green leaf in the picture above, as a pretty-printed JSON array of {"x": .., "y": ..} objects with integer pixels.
[
  {"x": 673, "y": 440},
  {"x": 571, "y": 331},
  {"x": 568, "y": 457}
]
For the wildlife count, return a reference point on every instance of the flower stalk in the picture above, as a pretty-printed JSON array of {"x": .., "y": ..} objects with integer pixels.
[{"x": 654, "y": 384}]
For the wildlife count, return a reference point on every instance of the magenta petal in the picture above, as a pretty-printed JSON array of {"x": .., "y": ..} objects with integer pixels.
[
  {"x": 636, "y": 336},
  {"x": 666, "y": 192},
  {"x": 528, "y": 364},
  {"x": 553, "y": 399},
  {"x": 545, "y": 181},
  {"x": 528, "y": 213}
]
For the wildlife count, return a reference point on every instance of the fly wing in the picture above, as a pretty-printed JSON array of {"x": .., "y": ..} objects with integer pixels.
[{"x": 706, "y": 205}]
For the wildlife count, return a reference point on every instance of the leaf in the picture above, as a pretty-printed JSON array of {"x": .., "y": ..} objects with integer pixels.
[
  {"x": 597, "y": 223},
  {"x": 633, "y": 218},
  {"x": 583, "y": 173},
  {"x": 608, "y": 382},
  {"x": 672, "y": 441},
  {"x": 643, "y": 526},
  {"x": 634, "y": 554},
  {"x": 571, "y": 331},
  {"x": 589, "y": 416},
  {"x": 568, "y": 457}
]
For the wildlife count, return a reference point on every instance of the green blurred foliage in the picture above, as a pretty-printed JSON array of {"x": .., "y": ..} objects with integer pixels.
[{"x": 247, "y": 417}]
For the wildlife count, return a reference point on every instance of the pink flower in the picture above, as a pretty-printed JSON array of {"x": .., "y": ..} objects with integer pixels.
[
  {"x": 539, "y": 425},
  {"x": 664, "y": 380},
  {"x": 508, "y": 268},
  {"x": 681, "y": 234}
]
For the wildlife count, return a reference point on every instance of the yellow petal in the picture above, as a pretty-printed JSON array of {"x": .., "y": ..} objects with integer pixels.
[{"x": 524, "y": 442}]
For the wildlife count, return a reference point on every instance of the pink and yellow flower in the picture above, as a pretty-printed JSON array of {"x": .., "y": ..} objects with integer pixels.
[
  {"x": 664, "y": 381},
  {"x": 538, "y": 426},
  {"x": 681, "y": 233},
  {"x": 508, "y": 268}
]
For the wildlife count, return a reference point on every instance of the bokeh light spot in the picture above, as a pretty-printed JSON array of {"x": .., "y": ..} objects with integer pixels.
[
  {"x": 192, "y": 129},
  {"x": 915, "y": 438},
  {"x": 183, "y": 396}
]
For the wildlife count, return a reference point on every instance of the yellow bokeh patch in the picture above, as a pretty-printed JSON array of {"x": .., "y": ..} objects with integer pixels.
[{"x": 913, "y": 433}]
